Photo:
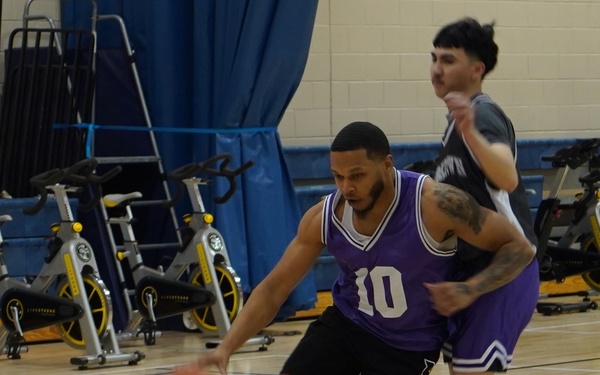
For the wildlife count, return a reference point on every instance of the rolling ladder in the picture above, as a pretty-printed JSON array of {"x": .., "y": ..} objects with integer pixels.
[{"x": 150, "y": 163}]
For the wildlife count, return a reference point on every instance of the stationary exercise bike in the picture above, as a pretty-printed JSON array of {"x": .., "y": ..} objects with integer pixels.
[
  {"x": 69, "y": 272},
  {"x": 569, "y": 233},
  {"x": 156, "y": 294},
  {"x": 42, "y": 310},
  {"x": 203, "y": 253}
]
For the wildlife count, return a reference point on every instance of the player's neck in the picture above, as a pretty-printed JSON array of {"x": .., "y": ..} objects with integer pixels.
[{"x": 366, "y": 223}]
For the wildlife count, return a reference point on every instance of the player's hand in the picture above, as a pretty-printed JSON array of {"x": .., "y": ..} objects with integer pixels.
[
  {"x": 448, "y": 298},
  {"x": 189, "y": 369},
  {"x": 461, "y": 110},
  {"x": 199, "y": 366}
]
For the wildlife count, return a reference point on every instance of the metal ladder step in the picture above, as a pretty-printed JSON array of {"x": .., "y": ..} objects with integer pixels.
[{"x": 127, "y": 159}]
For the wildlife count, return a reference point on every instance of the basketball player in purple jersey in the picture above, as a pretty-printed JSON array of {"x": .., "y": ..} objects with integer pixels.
[
  {"x": 393, "y": 234},
  {"x": 479, "y": 155}
]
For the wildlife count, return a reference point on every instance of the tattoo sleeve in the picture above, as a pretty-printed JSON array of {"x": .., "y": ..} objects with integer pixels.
[
  {"x": 508, "y": 260},
  {"x": 505, "y": 265},
  {"x": 460, "y": 206}
]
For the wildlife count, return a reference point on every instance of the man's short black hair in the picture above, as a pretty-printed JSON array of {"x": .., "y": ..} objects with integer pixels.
[
  {"x": 362, "y": 135},
  {"x": 477, "y": 40}
]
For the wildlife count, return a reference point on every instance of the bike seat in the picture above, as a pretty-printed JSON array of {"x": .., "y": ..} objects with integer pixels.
[
  {"x": 113, "y": 200},
  {"x": 590, "y": 177}
]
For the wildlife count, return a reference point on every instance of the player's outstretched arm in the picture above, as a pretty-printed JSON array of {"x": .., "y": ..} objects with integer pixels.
[{"x": 266, "y": 299}]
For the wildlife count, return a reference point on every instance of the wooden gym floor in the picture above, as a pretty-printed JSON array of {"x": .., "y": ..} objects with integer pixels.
[{"x": 566, "y": 344}]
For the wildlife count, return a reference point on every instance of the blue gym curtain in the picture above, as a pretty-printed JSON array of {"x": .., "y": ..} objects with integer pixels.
[{"x": 230, "y": 67}]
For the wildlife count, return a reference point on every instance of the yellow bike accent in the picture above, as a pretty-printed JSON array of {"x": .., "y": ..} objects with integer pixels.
[
  {"x": 591, "y": 278},
  {"x": 100, "y": 305},
  {"x": 230, "y": 285}
]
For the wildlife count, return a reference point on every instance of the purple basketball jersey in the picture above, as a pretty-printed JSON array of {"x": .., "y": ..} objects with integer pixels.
[{"x": 380, "y": 286}]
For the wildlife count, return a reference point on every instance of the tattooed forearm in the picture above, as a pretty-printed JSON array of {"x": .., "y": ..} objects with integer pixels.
[
  {"x": 464, "y": 289},
  {"x": 506, "y": 264},
  {"x": 459, "y": 205}
]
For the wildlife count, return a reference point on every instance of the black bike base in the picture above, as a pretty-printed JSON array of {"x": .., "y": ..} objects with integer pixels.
[
  {"x": 37, "y": 310},
  {"x": 549, "y": 308},
  {"x": 263, "y": 341},
  {"x": 170, "y": 297}
]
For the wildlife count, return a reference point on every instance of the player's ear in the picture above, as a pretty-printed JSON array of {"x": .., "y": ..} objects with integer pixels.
[
  {"x": 389, "y": 162},
  {"x": 478, "y": 70}
]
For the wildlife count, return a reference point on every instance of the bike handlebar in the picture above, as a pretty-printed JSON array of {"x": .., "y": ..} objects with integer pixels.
[
  {"x": 95, "y": 182},
  {"x": 40, "y": 181},
  {"x": 192, "y": 169},
  {"x": 82, "y": 172},
  {"x": 574, "y": 156}
]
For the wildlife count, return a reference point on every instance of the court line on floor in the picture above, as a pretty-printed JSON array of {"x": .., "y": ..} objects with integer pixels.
[
  {"x": 569, "y": 332},
  {"x": 234, "y": 359},
  {"x": 168, "y": 371},
  {"x": 560, "y": 326},
  {"x": 159, "y": 370},
  {"x": 561, "y": 370},
  {"x": 549, "y": 365},
  {"x": 163, "y": 370}
]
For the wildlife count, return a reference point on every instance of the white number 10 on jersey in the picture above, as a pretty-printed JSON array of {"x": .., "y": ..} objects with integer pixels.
[{"x": 391, "y": 307}]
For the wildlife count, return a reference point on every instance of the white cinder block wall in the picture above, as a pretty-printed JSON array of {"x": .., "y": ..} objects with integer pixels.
[{"x": 369, "y": 60}]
